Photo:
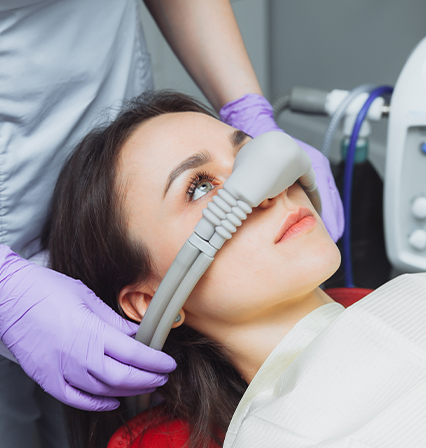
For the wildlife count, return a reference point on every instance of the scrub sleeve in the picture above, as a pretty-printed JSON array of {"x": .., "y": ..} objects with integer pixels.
[{"x": 62, "y": 63}]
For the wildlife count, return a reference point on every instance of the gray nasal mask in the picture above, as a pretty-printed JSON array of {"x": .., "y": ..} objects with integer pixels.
[{"x": 263, "y": 169}]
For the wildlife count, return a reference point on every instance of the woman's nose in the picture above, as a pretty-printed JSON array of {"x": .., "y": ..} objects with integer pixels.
[
  {"x": 267, "y": 203},
  {"x": 271, "y": 201}
]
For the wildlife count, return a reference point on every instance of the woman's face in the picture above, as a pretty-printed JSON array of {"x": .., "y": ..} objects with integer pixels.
[{"x": 170, "y": 168}]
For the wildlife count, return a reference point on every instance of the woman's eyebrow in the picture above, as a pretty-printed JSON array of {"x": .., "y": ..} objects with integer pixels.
[
  {"x": 201, "y": 158},
  {"x": 194, "y": 161}
]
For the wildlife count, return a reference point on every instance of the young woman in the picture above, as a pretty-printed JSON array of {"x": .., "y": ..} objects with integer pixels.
[{"x": 127, "y": 200}]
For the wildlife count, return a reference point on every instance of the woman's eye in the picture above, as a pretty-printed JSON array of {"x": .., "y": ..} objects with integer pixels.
[{"x": 201, "y": 189}]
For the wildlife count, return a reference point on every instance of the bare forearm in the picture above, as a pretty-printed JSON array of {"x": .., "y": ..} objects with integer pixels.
[{"x": 205, "y": 37}]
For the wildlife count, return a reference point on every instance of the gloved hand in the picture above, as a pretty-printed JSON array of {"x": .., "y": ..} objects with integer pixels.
[
  {"x": 254, "y": 115},
  {"x": 70, "y": 342}
]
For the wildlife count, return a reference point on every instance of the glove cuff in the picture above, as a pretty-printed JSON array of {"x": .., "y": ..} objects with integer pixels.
[{"x": 252, "y": 113}]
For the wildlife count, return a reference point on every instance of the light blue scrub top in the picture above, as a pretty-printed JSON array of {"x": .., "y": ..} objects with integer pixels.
[{"x": 62, "y": 62}]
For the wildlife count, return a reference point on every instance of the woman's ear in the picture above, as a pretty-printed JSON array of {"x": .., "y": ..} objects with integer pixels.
[{"x": 134, "y": 301}]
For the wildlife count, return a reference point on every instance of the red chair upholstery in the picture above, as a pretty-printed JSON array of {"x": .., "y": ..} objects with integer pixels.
[{"x": 347, "y": 296}]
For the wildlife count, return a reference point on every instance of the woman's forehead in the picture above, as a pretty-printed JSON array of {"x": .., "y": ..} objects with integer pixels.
[
  {"x": 185, "y": 127},
  {"x": 164, "y": 140}
]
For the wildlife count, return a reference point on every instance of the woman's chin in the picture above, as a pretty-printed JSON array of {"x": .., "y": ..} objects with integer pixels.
[{"x": 325, "y": 261}]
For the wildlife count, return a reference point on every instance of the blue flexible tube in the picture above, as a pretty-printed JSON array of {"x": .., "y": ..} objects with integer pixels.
[{"x": 347, "y": 181}]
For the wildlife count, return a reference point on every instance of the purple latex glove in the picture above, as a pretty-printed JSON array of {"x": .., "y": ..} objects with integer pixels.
[
  {"x": 254, "y": 115},
  {"x": 70, "y": 342}
]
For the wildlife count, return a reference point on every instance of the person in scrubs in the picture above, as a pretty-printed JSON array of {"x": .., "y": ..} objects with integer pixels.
[{"x": 62, "y": 64}]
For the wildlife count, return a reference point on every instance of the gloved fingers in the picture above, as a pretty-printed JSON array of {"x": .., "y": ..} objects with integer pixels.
[
  {"x": 123, "y": 381},
  {"x": 87, "y": 402},
  {"x": 332, "y": 214},
  {"x": 101, "y": 374},
  {"x": 108, "y": 315},
  {"x": 332, "y": 207},
  {"x": 113, "y": 376},
  {"x": 128, "y": 351},
  {"x": 252, "y": 113}
]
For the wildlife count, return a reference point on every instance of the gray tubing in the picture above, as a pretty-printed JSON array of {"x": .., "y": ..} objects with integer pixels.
[
  {"x": 337, "y": 116},
  {"x": 177, "y": 271},
  {"x": 178, "y": 300},
  {"x": 281, "y": 104},
  {"x": 173, "y": 306},
  {"x": 307, "y": 181},
  {"x": 315, "y": 198}
]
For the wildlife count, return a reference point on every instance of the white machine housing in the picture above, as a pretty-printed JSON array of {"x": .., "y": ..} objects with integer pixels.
[{"x": 405, "y": 170}]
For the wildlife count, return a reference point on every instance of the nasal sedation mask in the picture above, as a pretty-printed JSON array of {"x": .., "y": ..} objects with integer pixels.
[{"x": 263, "y": 168}]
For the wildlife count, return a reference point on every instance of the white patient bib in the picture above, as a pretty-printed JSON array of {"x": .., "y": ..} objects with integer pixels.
[{"x": 344, "y": 378}]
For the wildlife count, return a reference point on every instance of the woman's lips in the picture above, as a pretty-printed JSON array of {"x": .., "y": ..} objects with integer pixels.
[{"x": 295, "y": 223}]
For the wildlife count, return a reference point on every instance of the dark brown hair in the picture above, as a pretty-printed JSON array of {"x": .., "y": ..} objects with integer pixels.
[{"x": 88, "y": 240}]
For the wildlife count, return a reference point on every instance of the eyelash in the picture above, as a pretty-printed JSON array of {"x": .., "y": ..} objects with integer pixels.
[{"x": 195, "y": 181}]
